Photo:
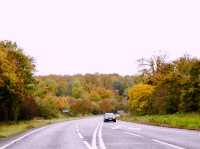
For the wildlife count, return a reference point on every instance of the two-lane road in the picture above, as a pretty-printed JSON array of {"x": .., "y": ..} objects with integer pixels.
[{"x": 92, "y": 133}]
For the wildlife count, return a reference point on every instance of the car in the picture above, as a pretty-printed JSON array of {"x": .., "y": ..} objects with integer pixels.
[{"x": 110, "y": 117}]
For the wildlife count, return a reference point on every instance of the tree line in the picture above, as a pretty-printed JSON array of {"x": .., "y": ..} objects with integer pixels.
[
  {"x": 25, "y": 96},
  {"x": 161, "y": 87},
  {"x": 89, "y": 93},
  {"x": 166, "y": 87}
]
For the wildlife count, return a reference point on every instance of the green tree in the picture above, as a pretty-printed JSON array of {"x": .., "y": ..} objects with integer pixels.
[
  {"x": 77, "y": 89},
  {"x": 119, "y": 87}
]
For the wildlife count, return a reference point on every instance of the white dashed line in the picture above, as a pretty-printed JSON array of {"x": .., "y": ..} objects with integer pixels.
[
  {"x": 87, "y": 145},
  {"x": 78, "y": 132},
  {"x": 80, "y": 135},
  {"x": 133, "y": 134},
  {"x": 134, "y": 128},
  {"x": 171, "y": 145},
  {"x": 115, "y": 127},
  {"x": 82, "y": 138}
]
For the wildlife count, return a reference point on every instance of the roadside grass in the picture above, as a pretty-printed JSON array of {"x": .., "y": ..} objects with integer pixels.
[
  {"x": 180, "y": 120},
  {"x": 8, "y": 129}
]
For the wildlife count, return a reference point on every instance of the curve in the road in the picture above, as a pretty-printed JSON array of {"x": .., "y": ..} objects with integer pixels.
[
  {"x": 92, "y": 133},
  {"x": 22, "y": 137}
]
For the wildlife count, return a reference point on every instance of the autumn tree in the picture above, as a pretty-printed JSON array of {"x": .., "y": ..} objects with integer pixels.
[
  {"x": 16, "y": 79},
  {"x": 140, "y": 98},
  {"x": 106, "y": 105}
]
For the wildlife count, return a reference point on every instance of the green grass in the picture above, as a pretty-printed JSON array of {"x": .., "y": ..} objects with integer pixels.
[
  {"x": 187, "y": 121},
  {"x": 10, "y": 128}
]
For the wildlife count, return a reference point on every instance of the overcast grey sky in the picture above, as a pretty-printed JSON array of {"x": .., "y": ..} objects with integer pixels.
[{"x": 106, "y": 36}]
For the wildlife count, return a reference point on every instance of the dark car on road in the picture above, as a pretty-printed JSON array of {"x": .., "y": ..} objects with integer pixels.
[{"x": 109, "y": 117}]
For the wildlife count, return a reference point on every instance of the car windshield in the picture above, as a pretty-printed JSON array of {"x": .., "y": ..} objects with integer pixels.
[{"x": 109, "y": 114}]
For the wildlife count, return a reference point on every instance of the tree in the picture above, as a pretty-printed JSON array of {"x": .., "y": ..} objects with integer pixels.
[
  {"x": 189, "y": 71},
  {"x": 150, "y": 68},
  {"x": 47, "y": 107},
  {"x": 77, "y": 89},
  {"x": 16, "y": 79},
  {"x": 119, "y": 87},
  {"x": 176, "y": 84},
  {"x": 82, "y": 106},
  {"x": 62, "y": 103},
  {"x": 106, "y": 105},
  {"x": 140, "y": 98}
]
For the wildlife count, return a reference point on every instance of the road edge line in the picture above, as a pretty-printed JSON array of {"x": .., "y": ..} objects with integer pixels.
[{"x": 22, "y": 137}]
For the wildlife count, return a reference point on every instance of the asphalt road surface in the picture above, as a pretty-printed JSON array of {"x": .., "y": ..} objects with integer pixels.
[{"x": 92, "y": 133}]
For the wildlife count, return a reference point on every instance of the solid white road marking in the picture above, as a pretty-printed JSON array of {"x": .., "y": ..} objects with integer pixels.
[
  {"x": 133, "y": 134},
  {"x": 101, "y": 143},
  {"x": 171, "y": 145},
  {"x": 94, "y": 138},
  {"x": 22, "y": 137}
]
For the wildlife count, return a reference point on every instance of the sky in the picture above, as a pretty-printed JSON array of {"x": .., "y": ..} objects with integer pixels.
[{"x": 105, "y": 36}]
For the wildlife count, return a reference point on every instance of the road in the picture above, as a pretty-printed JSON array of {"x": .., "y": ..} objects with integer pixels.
[{"x": 92, "y": 133}]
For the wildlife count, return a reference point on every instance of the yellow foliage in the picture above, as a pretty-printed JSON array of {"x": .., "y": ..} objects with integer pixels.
[
  {"x": 100, "y": 93},
  {"x": 140, "y": 97},
  {"x": 62, "y": 102}
]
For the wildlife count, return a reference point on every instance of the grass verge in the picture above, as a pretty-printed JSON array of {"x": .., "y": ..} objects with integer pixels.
[
  {"x": 8, "y": 129},
  {"x": 185, "y": 121}
]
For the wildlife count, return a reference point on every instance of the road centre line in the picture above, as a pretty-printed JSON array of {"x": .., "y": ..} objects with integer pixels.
[
  {"x": 101, "y": 143},
  {"x": 164, "y": 143},
  {"x": 133, "y": 134},
  {"x": 94, "y": 137}
]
